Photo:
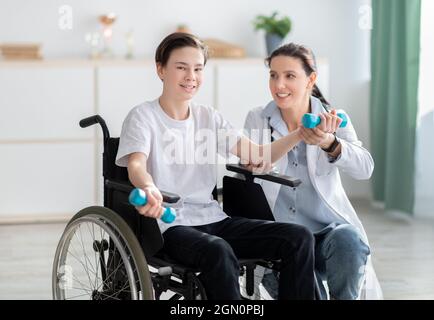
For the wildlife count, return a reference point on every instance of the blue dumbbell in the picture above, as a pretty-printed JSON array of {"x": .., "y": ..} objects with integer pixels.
[
  {"x": 137, "y": 198},
  {"x": 311, "y": 120}
]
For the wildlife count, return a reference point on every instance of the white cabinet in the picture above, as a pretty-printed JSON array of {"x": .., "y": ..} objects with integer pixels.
[
  {"x": 44, "y": 102},
  {"x": 49, "y": 167},
  {"x": 45, "y": 179},
  {"x": 47, "y": 161},
  {"x": 241, "y": 87},
  {"x": 121, "y": 88}
]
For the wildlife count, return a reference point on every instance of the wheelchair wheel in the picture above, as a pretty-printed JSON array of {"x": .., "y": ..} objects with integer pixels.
[{"x": 99, "y": 258}]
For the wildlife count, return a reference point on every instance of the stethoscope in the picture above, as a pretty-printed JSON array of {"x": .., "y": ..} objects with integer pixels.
[{"x": 271, "y": 129}]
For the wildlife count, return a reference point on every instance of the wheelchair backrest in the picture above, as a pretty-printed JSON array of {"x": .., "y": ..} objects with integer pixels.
[
  {"x": 111, "y": 170},
  {"x": 244, "y": 198}
]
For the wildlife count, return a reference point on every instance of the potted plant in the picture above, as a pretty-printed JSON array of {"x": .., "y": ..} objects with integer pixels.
[{"x": 275, "y": 29}]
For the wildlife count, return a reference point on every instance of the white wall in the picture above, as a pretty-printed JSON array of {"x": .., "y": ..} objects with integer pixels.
[{"x": 330, "y": 27}]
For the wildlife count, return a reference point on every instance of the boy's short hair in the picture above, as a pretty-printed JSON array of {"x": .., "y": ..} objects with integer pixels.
[{"x": 175, "y": 41}]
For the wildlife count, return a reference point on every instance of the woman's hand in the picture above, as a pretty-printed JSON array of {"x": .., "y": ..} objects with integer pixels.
[
  {"x": 322, "y": 135},
  {"x": 153, "y": 207}
]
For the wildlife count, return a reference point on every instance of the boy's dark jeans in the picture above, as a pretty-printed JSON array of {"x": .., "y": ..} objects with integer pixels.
[{"x": 215, "y": 249}]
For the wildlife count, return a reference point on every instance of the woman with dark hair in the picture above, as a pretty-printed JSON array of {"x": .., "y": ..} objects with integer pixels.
[
  {"x": 161, "y": 144},
  {"x": 342, "y": 254}
]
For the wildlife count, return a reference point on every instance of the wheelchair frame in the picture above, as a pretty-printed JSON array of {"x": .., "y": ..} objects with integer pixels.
[{"x": 169, "y": 274}]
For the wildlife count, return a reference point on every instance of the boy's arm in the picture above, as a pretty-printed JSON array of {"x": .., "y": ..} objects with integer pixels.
[
  {"x": 140, "y": 178},
  {"x": 251, "y": 153},
  {"x": 137, "y": 172}
]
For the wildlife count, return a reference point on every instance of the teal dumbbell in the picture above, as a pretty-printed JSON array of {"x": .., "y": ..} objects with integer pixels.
[
  {"x": 137, "y": 198},
  {"x": 311, "y": 120}
]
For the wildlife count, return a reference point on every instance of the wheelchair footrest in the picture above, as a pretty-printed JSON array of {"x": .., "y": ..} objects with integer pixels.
[{"x": 161, "y": 283}]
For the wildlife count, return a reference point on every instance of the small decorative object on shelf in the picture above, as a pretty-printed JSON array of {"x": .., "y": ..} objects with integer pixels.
[
  {"x": 107, "y": 21},
  {"x": 275, "y": 29},
  {"x": 21, "y": 51},
  {"x": 129, "y": 36},
  {"x": 183, "y": 28},
  {"x": 94, "y": 41},
  {"x": 222, "y": 49}
]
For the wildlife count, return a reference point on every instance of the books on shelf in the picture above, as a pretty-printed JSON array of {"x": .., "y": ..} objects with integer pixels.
[
  {"x": 221, "y": 49},
  {"x": 15, "y": 51}
]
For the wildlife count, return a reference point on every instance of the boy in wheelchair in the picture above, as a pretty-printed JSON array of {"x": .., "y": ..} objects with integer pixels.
[{"x": 161, "y": 144}]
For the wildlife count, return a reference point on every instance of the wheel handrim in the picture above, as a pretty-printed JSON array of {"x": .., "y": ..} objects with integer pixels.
[{"x": 68, "y": 279}]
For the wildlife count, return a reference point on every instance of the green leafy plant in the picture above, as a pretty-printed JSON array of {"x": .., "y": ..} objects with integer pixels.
[{"x": 273, "y": 25}]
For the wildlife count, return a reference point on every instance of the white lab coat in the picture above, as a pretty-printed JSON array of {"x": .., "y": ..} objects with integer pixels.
[{"x": 355, "y": 161}]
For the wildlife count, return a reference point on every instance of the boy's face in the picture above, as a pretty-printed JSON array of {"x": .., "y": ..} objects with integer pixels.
[{"x": 182, "y": 75}]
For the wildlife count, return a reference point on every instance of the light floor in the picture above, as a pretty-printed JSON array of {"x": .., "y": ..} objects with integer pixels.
[{"x": 403, "y": 256}]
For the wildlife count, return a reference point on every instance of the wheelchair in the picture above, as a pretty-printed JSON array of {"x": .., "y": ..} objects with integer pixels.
[{"x": 113, "y": 253}]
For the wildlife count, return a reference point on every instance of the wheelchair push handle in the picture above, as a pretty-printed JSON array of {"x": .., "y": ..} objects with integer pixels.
[
  {"x": 311, "y": 120},
  {"x": 137, "y": 198},
  {"x": 86, "y": 122},
  {"x": 89, "y": 121}
]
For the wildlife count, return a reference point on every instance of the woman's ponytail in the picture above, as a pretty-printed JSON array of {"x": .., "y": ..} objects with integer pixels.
[{"x": 316, "y": 92}]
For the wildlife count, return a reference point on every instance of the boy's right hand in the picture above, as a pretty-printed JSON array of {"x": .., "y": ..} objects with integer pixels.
[
  {"x": 153, "y": 208},
  {"x": 262, "y": 167}
]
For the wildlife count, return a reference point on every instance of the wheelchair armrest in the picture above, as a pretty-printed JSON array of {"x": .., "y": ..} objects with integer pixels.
[
  {"x": 271, "y": 176},
  {"x": 168, "y": 197}
]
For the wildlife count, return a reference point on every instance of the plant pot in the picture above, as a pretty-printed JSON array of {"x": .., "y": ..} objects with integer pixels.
[{"x": 273, "y": 41}]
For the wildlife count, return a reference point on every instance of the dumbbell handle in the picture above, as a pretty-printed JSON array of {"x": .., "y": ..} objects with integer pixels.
[
  {"x": 137, "y": 198},
  {"x": 311, "y": 120}
]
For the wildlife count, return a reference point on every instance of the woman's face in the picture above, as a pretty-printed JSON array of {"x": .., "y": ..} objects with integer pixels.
[
  {"x": 182, "y": 74},
  {"x": 289, "y": 84}
]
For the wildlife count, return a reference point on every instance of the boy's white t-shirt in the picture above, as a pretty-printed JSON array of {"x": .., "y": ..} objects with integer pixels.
[{"x": 182, "y": 156}]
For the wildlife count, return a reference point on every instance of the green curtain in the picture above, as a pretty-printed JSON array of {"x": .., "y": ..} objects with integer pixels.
[{"x": 395, "y": 46}]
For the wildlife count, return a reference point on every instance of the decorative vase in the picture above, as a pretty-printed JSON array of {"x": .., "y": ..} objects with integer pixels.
[
  {"x": 107, "y": 21},
  {"x": 273, "y": 41},
  {"x": 129, "y": 36}
]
